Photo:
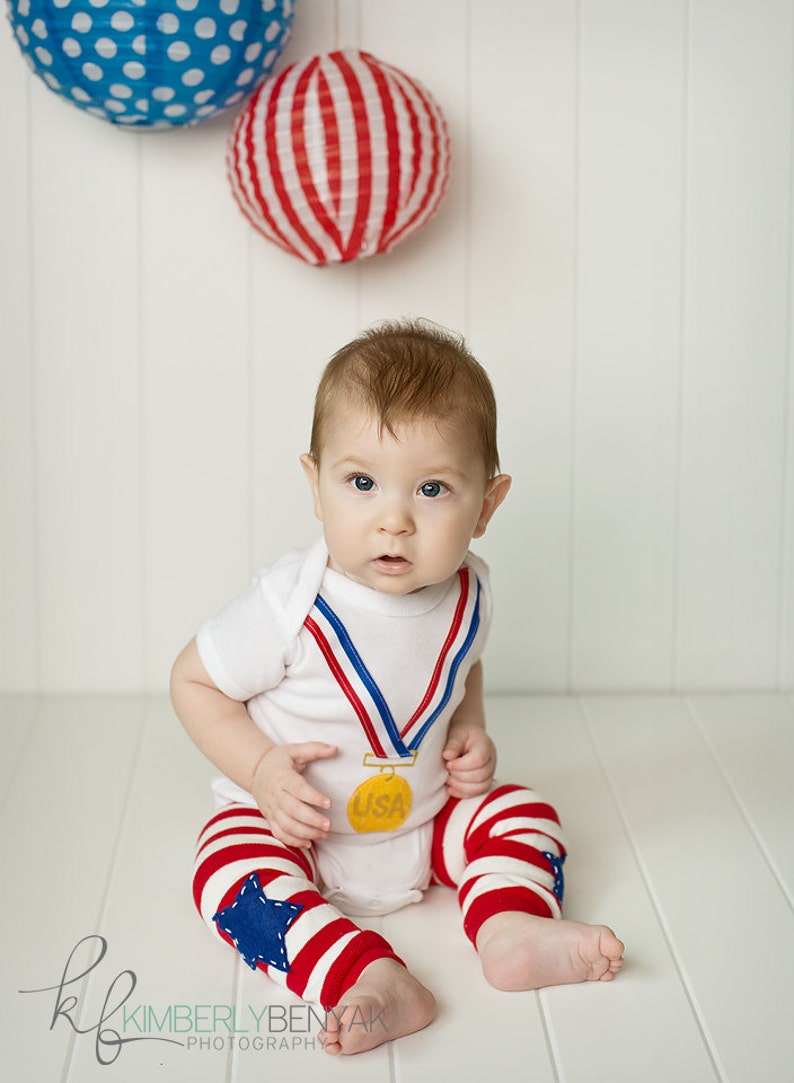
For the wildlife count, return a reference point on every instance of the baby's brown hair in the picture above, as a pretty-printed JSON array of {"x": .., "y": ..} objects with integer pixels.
[{"x": 406, "y": 370}]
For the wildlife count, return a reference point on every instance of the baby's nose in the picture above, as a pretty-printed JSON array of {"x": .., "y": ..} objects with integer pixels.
[{"x": 396, "y": 519}]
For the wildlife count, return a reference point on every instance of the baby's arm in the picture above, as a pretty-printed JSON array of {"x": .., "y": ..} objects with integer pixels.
[
  {"x": 272, "y": 773},
  {"x": 469, "y": 754}
]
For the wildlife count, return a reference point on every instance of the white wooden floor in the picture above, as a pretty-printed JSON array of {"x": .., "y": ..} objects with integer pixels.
[{"x": 680, "y": 815}]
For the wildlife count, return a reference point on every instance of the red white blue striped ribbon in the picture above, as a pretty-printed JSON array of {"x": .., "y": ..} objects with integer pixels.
[{"x": 385, "y": 737}]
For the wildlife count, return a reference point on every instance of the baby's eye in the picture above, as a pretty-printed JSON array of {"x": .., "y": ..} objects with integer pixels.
[
  {"x": 432, "y": 488},
  {"x": 361, "y": 483}
]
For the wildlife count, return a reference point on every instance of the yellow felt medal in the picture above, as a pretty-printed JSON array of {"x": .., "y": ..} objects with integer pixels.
[{"x": 381, "y": 802}]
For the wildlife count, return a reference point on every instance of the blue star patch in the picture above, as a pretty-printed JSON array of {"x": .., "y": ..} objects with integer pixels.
[
  {"x": 556, "y": 867},
  {"x": 257, "y": 925}
]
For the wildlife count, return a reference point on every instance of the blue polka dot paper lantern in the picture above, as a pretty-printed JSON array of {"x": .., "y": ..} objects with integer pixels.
[{"x": 152, "y": 63}]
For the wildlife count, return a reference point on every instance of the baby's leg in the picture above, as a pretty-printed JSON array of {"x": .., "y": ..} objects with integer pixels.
[
  {"x": 504, "y": 852},
  {"x": 261, "y": 897}
]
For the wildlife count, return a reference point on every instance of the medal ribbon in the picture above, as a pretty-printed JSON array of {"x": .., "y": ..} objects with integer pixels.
[{"x": 361, "y": 689}]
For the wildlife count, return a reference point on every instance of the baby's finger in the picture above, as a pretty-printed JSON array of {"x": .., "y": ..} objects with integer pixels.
[
  {"x": 302, "y": 815},
  {"x": 294, "y": 830},
  {"x": 303, "y": 791},
  {"x": 455, "y": 788},
  {"x": 468, "y": 765},
  {"x": 289, "y": 839},
  {"x": 305, "y": 752}
]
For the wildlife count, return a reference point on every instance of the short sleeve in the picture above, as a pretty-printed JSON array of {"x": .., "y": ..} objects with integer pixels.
[{"x": 246, "y": 647}]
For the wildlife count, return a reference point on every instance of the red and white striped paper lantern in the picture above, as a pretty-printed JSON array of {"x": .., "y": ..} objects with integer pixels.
[{"x": 339, "y": 157}]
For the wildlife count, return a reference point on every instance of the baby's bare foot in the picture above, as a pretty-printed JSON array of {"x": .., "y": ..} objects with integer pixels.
[
  {"x": 522, "y": 951},
  {"x": 386, "y": 1002}
]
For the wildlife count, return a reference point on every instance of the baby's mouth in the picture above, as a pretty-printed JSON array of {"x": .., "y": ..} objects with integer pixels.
[{"x": 388, "y": 562}]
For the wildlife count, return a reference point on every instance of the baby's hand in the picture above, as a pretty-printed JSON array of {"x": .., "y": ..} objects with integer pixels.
[
  {"x": 284, "y": 796},
  {"x": 470, "y": 757}
]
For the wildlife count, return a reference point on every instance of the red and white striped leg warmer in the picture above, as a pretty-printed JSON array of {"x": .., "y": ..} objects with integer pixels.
[
  {"x": 265, "y": 898},
  {"x": 502, "y": 851}
]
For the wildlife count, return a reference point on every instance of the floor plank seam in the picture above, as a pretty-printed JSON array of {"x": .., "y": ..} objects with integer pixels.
[
  {"x": 22, "y": 753},
  {"x": 231, "y": 1066},
  {"x": 683, "y": 975},
  {"x": 552, "y": 1046},
  {"x": 741, "y": 805},
  {"x": 101, "y": 920}
]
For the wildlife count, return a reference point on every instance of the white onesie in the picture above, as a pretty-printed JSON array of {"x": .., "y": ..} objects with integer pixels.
[{"x": 318, "y": 657}]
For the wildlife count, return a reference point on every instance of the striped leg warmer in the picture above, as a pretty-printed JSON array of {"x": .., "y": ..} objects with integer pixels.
[
  {"x": 502, "y": 851},
  {"x": 261, "y": 897}
]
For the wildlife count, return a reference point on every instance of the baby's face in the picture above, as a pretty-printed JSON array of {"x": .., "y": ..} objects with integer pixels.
[{"x": 399, "y": 512}]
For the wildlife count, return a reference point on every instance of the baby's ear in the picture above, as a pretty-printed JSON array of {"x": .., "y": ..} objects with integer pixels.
[
  {"x": 312, "y": 471},
  {"x": 495, "y": 491}
]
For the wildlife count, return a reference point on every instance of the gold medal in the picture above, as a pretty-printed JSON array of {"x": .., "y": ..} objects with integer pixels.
[{"x": 381, "y": 802}]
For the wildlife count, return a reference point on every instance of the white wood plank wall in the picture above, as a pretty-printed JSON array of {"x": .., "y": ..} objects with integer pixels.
[{"x": 617, "y": 245}]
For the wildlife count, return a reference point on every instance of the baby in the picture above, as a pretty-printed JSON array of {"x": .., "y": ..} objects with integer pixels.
[{"x": 341, "y": 697}]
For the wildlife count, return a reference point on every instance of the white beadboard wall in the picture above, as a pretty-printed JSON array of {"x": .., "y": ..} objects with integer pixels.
[{"x": 616, "y": 245}]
